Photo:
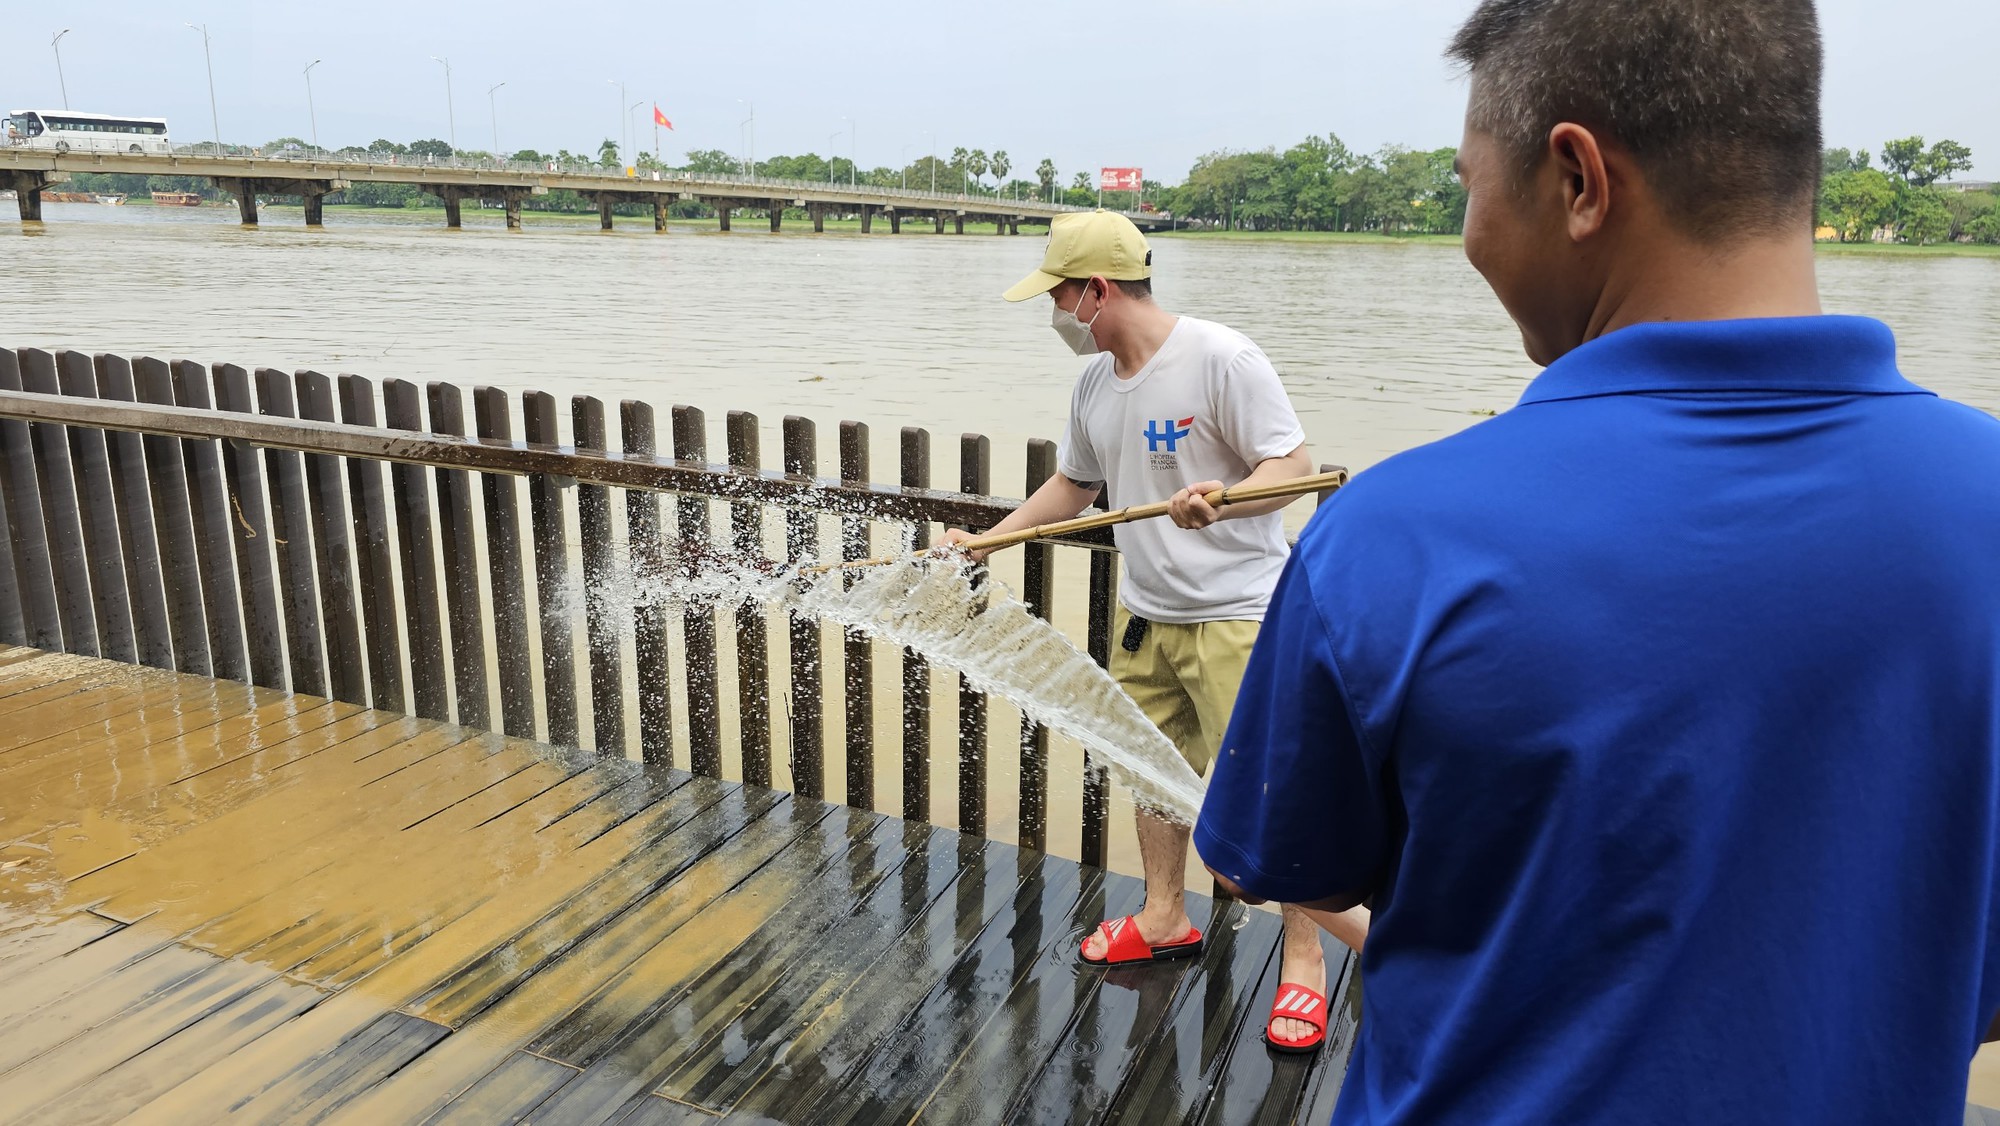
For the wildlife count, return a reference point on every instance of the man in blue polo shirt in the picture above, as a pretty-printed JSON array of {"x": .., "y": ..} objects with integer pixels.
[{"x": 1657, "y": 717}]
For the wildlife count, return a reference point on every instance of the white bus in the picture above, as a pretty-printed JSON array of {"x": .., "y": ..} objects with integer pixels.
[{"x": 64, "y": 130}]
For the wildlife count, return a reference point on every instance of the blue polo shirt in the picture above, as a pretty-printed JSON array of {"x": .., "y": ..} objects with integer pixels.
[{"x": 1657, "y": 720}]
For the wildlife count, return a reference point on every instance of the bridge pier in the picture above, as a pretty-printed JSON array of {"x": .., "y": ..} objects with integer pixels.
[
  {"x": 245, "y": 191},
  {"x": 28, "y": 187},
  {"x": 818, "y": 214},
  {"x": 511, "y": 204},
  {"x": 660, "y": 214},
  {"x": 722, "y": 216},
  {"x": 895, "y": 221},
  {"x": 867, "y": 218},
  {"x": 777, "y": 218},
  {"x": 940, "y": 222},
  {"x": 958, "y": 223},
  {"x": 603, "y": 211}
]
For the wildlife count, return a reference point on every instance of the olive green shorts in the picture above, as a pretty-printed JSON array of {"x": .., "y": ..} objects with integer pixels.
[{"x": 1185, "y": 678}]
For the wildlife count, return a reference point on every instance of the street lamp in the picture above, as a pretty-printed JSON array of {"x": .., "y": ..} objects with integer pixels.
[
  {"x": 56, "y": 43},
  {"x": 450, "y": 113},
  {"x": 932, "y": 139},
  {"x": 311, "y": 112},
  {"x": 749, "y": 124},
  {"x": 620, "y": 83},
  {"x": 829, "y": 154},
  {"x": 905, "y": 158},
  {"x": 854, "y": 151},
  {"x": 631, "y": 134},
  {"x": 213, "y": 119},
  {"x": 494, "y": 110}
]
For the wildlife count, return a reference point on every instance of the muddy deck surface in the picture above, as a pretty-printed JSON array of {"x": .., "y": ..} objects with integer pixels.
[{"x": 218, "y": 902}]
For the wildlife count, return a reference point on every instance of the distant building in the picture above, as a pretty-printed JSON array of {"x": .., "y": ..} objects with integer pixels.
[{"x": 1969, "y": 185}]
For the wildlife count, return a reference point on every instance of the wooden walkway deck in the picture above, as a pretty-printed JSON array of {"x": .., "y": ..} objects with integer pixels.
[{"x": 220, "y": 902}]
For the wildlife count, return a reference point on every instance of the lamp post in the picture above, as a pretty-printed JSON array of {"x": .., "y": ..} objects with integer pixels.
[
  {"x": 853, "y": 152},
  {"x": 830, "y": 138},
  {"x": 450, "y": 112},
  {"x": 311, "y": 112},
  {"x": 631, "y": 134},
  {"x": 932, "y": 139},
  {"x": 750, "y": 124},
  {"x": 905, "y": 158},
  {"x": 493, "y": 108},
  {"x": 208, "y": 55},
  {"x": 56, "y": 43}
]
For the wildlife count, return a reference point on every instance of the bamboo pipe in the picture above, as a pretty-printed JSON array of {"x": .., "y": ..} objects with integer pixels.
[{"x": 1227, "y": 495}]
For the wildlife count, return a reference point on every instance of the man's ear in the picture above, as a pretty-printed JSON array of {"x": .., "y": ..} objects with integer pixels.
[{"x": 1585, "y": 182}]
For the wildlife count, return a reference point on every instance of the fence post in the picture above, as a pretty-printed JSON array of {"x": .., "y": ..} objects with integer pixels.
[
  {"x": 503, "y": 557},
  {"x": 371, "y": 537},
  {"x": 402, "y": 408},
  {"x": 975, "y": 476},
  {"x": 593, "y": 515},
  {"x": 33, "y": 569},
  {"x": 291, "y": 534},
  {"x": 858, "y": 653},
  {"x": 916, "y": 474},
  {"x": 461, "y": 567},
  {"x": 97, "y": 518},
  {"x": 1038, "y": 592},
  {"x": 538, "y": 414},
  {"x": 332, "y": 534},
  {"x": 236, "y": 504},
  {"x": 173, "y": 525},
  {"x": 648, "y": 561},
  {"x": 698, "y": 624},
  {"x": 133, "y": 500},
  {"x": 808, "y": 721},
  {"x": 753, "y": 630}
]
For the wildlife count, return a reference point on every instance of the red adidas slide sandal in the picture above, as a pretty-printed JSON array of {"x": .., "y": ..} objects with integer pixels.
[
  {"x": 1296, "y": 1002},
  {"x": 1124, "y": 947}
]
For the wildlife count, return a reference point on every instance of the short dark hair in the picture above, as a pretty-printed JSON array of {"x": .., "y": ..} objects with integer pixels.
[
  {"x": 1718, "y": 102},
  {"x": 1142, "y": 288}
]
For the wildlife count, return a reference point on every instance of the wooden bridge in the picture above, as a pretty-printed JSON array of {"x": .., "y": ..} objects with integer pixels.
[
  {"x": 510, "y": 184},
  {"x": 271, "y": 854}
]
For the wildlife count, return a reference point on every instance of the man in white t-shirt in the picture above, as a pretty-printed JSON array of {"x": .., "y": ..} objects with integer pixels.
[{"x": 1171, "y": 409}]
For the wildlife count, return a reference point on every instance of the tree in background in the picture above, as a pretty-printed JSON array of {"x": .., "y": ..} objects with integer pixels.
[
  {"x": 711, "y": 162},
  {"x": 1000, "y": 162},
  {"x": 528, "y": 156},
  {"x": 1856, "y": 202},
  {"x": 1835, "y": 161},
  {"x": 1922, "y": 217},
  {"x": 1045, "y": 172},
  {"x": 976, "y": 165},
  {"x": 430, "y": 147},
  {"x": 390, "y": 148},
  {"x": 607, "y": 153},
  {"x": 1920, "y": 167}
]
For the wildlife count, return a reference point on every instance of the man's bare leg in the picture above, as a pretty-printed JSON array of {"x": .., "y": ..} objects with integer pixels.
[
  {"x": 1304, "y": 963},
  {"x": 1163, "y": 849}
]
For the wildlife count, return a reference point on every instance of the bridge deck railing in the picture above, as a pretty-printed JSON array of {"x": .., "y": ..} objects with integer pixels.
[{"x": 305, "y": 533}]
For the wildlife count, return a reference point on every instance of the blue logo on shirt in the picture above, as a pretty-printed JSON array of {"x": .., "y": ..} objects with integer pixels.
[{"x": 1166, "y": 432}]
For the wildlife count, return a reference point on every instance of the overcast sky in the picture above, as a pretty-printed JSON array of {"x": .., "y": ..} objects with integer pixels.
[{"x": 1150, "y": 84}]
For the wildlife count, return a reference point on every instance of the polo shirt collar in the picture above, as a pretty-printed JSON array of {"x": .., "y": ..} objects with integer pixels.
[{"x": 1817, "y": 355}]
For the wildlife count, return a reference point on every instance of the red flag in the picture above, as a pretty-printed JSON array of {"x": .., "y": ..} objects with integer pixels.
[{"x": 661, "y": 118}]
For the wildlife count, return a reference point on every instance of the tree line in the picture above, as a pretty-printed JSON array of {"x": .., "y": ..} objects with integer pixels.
[
  {"x": 1318, "y": 184},
  {"x": 1903, "y": 199}
]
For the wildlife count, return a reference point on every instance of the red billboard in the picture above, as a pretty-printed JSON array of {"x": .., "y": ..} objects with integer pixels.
[{"x": 1119, "y": 179}]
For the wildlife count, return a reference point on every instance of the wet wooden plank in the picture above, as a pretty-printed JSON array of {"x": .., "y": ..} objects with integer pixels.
[
  {"x": 508, "y": 1093},
  {"x": 1038, "y": 591},
  {"x": 319, "y": 1087},
  {"x": 916, "y": 474},
  {"x": 132, "y": 497},
  {"x": 380, "y": 618},
  {"x": 651, "y": 646},
  {"x": 461, "y": 568},
  {"x": 130, "y": 1083},
  {"x": 1176, "y": 1072},
  {"x": 27, "y": 526},
  {"x": 975, "y": 476},
  {"x": 503, "y": 554},
  {"x": 402, "y": 408},
  {"x": 333, "y": 552},
  {"x": 805, "y": 642},
  {"x": 602, "y": 623},
  {"x": 552, "y": 577},
  {"x": 117, "y": 637},
  {"x": 173, "y": 521},
  {"x": 291, "y": 535},
  {"x": 62, "y": 527},
  {"x": 12, "y": 630},
  {"x": 208, "y": 504},
  {"x": 858, "y": 654},
  {"x": 1343, "y": 1026},
  {"x": 250, "y": 530},
  {"x": 698, "y": 625},
  {"x": 753, "y": 629}
]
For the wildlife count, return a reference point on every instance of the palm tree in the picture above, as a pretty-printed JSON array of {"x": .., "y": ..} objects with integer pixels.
[
  {"x": 607, "y": 153},
  {"x": 976, "y": 164},
  {"x": 1046, "y": 173},
  {"x": 1001, "y": 165}
]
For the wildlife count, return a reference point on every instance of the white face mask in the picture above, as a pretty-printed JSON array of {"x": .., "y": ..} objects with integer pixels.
[{"x": 1074, "y": 332}]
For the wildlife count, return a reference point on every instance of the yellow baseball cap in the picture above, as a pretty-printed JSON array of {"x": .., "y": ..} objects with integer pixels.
[{"x": 1086, "y": 244}]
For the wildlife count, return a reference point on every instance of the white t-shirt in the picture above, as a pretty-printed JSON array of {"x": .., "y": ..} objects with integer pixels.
[{"x": 1207, "y": 407}]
